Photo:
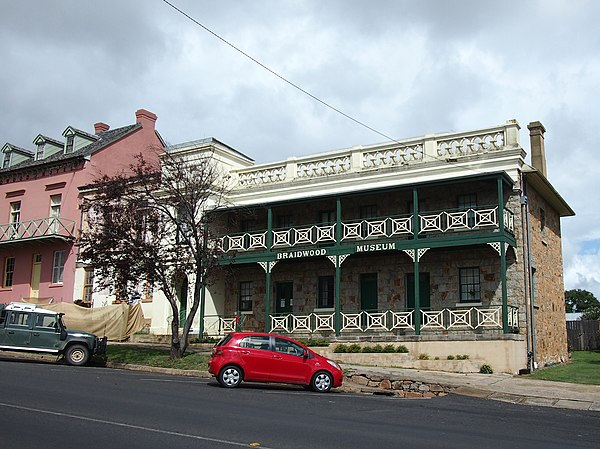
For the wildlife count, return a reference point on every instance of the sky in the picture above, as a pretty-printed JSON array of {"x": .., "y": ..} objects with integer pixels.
[{"x": 403, "y": 67}]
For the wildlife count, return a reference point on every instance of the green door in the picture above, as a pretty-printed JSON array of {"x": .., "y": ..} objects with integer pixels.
[
  {"x": 424, "y": 299},
  {"x": 284, "y": 292},
  {"x": 46, "y": 333},
  {"x": 368, "y": 292}
]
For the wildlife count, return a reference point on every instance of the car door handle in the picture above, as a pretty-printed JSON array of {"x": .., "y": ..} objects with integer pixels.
[
  {"x": 35, "y": 334},
  {"x": 277, "y": 357},
  {"x": 11, "y": 332},
  {"x": 245, "y": 352}
]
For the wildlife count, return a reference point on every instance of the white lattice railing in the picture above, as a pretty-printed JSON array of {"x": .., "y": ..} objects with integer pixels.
[
  {"x": 43, "y": 227},
  {"x": 362, "y": 230},
  {"x": 389, "y": 320}
]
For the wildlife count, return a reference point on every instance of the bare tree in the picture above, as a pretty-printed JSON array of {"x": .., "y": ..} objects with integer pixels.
[{"x": 155, "y": 227}]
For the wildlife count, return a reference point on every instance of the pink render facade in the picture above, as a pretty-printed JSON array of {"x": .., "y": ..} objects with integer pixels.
[{"x": 40, "y": 214}]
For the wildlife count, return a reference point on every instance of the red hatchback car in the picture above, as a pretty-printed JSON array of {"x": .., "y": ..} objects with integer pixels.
[{"x": 260, "y": 357}]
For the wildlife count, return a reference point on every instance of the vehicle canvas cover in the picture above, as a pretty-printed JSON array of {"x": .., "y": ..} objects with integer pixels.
[{"x": 117, "y": 322}]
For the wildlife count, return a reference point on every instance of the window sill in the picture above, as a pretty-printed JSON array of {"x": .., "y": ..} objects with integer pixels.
[
  {"x": 468, "y": 304},
  {"x": 6, "y": 289},
  {"x": 326, "y": 309},
  {"x": 246, "y": 312},
  {"x": 55, "y": 285}
]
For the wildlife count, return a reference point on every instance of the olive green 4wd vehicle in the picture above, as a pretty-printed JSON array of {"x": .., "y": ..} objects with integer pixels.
[{"x": 29, "y": 328}]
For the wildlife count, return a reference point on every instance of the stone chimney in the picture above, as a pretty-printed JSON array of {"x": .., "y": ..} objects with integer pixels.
[
  {"x": 538, "y": 153},
  {"x": 146, "y": 118},
  {"x": 100, "y": 127}
]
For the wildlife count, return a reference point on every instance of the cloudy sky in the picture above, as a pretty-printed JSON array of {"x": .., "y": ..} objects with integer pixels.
[{"x": 404, "y": 67}]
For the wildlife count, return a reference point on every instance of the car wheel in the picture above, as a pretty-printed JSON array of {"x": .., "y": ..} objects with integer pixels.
[
  {"x": 231, "y": 376},
  {"x": 322, "y": 382},
  {"x": 77, "y": 355}
]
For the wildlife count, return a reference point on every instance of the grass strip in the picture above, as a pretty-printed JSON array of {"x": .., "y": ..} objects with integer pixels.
[
  {"x": 136, "y": 355},
  {"x": 583, "y": 368}
]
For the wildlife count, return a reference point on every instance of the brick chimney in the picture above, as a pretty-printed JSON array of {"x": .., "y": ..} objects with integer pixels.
[
  {"x": 538, "y": 153},
  {"x": 146, "y": 118},
  {"x": 100, "y": 127}
]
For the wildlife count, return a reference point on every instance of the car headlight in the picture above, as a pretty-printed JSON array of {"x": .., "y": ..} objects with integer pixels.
[{"x": 335, "y": 365}]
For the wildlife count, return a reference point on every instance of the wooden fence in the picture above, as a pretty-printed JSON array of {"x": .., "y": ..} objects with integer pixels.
[{"x": 583, "y": 335}]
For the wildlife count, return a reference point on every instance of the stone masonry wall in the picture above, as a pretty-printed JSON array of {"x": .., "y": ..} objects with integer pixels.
[{"x": 546, "y": 249}]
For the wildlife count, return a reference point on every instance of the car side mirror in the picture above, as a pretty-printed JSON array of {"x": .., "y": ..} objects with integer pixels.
[{"x": 305, "y": 354}]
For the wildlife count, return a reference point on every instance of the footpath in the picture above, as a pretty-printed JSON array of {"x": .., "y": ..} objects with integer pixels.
[{"x": 501, "y": 387}]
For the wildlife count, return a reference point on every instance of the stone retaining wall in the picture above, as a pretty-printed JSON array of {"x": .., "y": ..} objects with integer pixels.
[{"x": 404, "y": 388}]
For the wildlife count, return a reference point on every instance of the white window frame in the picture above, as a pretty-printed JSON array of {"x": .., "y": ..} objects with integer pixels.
[{"x": 58, "y": 267}]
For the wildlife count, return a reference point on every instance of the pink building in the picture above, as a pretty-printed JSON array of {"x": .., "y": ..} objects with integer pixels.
[{"x": 40, "y": 214}]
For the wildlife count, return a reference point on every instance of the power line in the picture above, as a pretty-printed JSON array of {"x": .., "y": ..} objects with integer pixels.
[
  {"x": 304, "y": 91},
  {"x": 281, "y": 77}
]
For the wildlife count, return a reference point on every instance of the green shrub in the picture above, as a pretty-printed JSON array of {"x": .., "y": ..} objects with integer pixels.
[
  {"x": 402, "y": 349},
  {"x": 389, "y": 349},
  {"x": 319, "y": 342},
  {"x": 450, "y": 357},
  {"x": 354, "y": 347},
  {"x": 340, "y": 349},
  {"x": 486, "y": 369},
  {"x": 423, "y": 356},
  {"x": 462, "y": 357},
  {"x": 436, "y": 358}
]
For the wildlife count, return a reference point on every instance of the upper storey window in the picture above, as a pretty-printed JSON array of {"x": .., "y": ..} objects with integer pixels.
[
  {"x": 39, "y": 152},
  {"x": 6, "y": 160},
  {"x": 69, "y": 144}
]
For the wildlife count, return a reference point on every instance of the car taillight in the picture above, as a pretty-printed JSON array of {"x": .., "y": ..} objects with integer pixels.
[{"x": 217, "y": 352}]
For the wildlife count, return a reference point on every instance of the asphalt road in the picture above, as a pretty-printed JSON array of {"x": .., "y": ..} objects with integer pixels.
[{"x": 51, "y": 406}]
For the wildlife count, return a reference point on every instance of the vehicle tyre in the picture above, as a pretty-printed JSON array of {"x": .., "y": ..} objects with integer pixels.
[
  {"x": 230, "y": 376},
  {"x": 321, "y": 382},
  {"x": 77, "y": 355}
]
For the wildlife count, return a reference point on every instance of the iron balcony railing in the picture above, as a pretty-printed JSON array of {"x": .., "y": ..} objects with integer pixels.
[
  {"x": 38, "y": 228},
  {"x": 359, "y": 230},
  {"x": 379, "y": 321}
]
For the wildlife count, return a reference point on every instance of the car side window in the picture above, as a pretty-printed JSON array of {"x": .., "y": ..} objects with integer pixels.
[
  {"x": 288, "y": 347},
  {"x": 255, "y": 342},
  {"x": 47, "y": 321},
  {"x": 20, "y": 319},
  {"x": 2, "y": 317}
]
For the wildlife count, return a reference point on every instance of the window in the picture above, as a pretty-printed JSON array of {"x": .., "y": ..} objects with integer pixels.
[
  {"x": 256, "y": 342},
  {"x": 69, "y": 144},
  {"x": 20, "y": 319},
  {"x": 39, "y": 152},
  {"x": 15, "y": 212},
  {"x": 542, "y": 219},
  {"x": 46, "y": 321},
  {"x": 88, "y": 285},
  {"x": 245, "y": 304},
  {"x": 367, "y": 213},
  {"x": 327, "y": 217},
  {"x": 58, "y": 267},
  {"x": 288, "y": 347},
  {"x": 6, "y": 160},
  {"x": 470, "y": 287},
  {"x": 55, "y": 201},
  {"x": 466, "y": 203},
  {"x": 9, "y": 271},
  {"x": 325, "y": 300},
  {"x": 284, "y": 222}
]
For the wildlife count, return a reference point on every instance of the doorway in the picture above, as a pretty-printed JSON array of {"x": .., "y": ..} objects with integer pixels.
[
  {"x": 368, "y": 292},
  {"x": 284, "y": 292},
  {"x": 36, "y": 271}
]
